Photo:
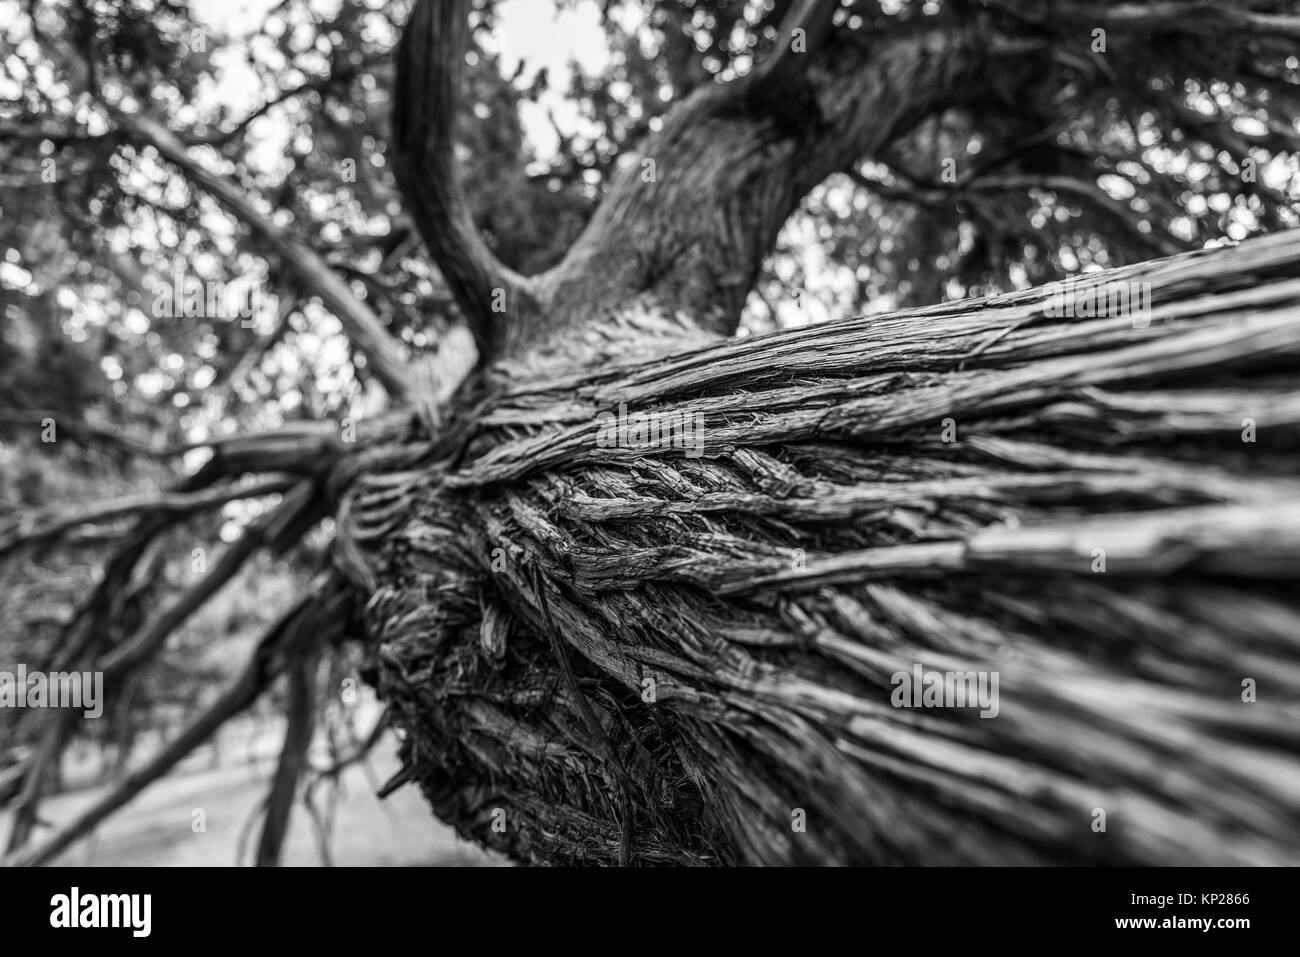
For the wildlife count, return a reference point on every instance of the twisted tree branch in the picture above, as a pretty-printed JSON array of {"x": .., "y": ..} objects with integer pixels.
[{"x": 430, "y": 60}]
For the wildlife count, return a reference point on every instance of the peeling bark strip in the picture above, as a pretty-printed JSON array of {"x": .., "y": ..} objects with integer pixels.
[{"x": 1101, "y": 512}]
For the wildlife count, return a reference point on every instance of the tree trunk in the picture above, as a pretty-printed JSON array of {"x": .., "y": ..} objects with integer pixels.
[
  {"x": 600, "y": 649},
  {"x": 999, "y": 581}
]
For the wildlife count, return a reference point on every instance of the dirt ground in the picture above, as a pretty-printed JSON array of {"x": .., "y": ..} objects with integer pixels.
[{"x": 159, "y": 827}]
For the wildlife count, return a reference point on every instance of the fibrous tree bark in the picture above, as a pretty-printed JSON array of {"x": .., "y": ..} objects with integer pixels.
[
  {"x": 610, "y": 654},
  {"x": 631, "y": 654},
  {"x": 688, "y": 651}
]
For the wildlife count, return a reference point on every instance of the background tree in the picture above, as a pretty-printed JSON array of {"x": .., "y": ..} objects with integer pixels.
[{"x": 604, "y": 655}]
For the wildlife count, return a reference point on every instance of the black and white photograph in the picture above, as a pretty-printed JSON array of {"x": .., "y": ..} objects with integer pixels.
[{"x": 734, "y": 434}]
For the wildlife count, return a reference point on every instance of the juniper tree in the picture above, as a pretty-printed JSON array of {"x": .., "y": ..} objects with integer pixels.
[{"x": 628, "y": 652}]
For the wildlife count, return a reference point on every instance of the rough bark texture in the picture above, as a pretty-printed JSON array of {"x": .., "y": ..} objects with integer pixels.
[
  {"x": 643, "y": 656},
  {"x": 639, "y": 655}
]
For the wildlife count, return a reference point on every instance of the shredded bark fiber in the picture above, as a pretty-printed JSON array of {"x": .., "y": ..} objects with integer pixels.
[{"x": 603, "y": 655}]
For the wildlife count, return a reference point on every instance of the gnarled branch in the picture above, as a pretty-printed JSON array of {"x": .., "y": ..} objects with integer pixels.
[{"x": 430, "y": 59}]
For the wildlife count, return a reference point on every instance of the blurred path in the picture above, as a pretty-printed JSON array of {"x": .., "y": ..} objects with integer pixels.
[{"x": 156, "y": 828}]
